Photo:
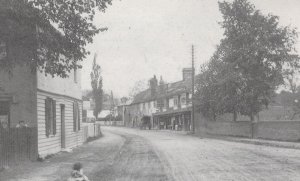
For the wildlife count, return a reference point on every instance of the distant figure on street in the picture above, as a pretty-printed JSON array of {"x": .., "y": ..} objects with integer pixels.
[
  {"x": 77, "y": 173},
  {"x": 21, "y": 124},
  {"x": 4, "y": 125}
]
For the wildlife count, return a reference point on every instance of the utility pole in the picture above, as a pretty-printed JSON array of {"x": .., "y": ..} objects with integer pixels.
[{"x": 193, "y": 92}]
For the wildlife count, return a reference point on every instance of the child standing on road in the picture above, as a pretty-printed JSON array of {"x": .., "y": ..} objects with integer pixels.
[{"x": 77, "y": 173}]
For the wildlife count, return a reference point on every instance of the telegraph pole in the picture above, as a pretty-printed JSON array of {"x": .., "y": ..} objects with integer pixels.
[{"x": 193, "y": 91}]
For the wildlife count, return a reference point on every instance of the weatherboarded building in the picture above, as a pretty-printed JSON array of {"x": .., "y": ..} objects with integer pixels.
[{"x": 52, "y": 105}]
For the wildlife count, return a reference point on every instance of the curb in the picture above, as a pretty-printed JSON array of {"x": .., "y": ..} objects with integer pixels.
[{"x": 270, "y": 143}]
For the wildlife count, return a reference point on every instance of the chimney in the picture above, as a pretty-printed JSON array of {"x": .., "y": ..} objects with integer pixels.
[
  {"x": 153, "y": 85},
  {"x": 187, "y": 73}
]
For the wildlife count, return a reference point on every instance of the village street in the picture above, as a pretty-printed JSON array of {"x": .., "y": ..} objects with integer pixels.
[{"x": 128, "y": 154}]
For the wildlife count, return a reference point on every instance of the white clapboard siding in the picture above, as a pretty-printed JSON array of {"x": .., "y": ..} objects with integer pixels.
[{"x": 52, "y": 144}]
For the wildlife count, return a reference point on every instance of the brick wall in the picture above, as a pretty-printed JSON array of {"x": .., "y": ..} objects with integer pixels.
[
  {"x": 273, "y": 130},
  {"x": 277, "y": 130},
  {"x": 228, "y": 128},
  {"x": 20, "y": 88}
]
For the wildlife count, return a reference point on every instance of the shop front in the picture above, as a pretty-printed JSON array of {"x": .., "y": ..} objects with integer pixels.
[{"x": 179, "y": 120}]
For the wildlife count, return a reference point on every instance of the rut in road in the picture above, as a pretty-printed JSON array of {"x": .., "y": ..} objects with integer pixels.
[{"x": 136, "y": 160}]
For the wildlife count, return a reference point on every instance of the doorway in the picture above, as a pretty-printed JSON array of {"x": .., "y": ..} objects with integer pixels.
[
  {"x": 62, "y": 119},
  {"x": 4, "y": 114}
]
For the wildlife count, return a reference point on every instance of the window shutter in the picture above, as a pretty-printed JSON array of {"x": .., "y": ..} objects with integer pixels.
[
  {"x": 74, "y": 117},
  {"x": 78, "y": 116},
  {"x": 54, "y": 116},
  {"x": 47, "y": 116}
]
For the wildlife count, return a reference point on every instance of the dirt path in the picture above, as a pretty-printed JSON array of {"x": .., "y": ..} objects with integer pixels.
[
  {"x": 191, "y": 158},
  {"x": 113, "y": 157},
  {"x": 126, "y": 154},
  {"x": 136, "y": 161}
]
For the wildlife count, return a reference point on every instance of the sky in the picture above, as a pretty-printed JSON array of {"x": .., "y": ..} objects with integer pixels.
[{"x": 154, "y": 37}]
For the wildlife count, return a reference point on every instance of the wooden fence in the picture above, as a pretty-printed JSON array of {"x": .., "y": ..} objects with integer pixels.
[
  {"x": 17, "y": 145},
  {"x": 91, "y": 130},
  {"x": 85, "y": 133}
]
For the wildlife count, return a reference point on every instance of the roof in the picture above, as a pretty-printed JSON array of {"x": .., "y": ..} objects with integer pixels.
[
  {"x": 169, "y": 90},
  {"x": 104, "y": 113},
  {"x": 178, "y": 88},
  {"x": 143, "y": 96}
]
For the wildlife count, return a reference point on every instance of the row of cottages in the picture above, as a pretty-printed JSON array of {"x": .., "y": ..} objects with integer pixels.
[
  {"x": 168, "y": 104},
  {"x": 122, "y": 110},
  {"x": 51, "y": 104}
]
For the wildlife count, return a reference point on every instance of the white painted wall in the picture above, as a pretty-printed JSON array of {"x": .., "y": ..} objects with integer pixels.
[
  {"x": 66, "y": 86},
  {"x": 175, "y": 98},
  {"x": 183, "y": 100},
  {"x": 171, "y": 102},
  {"x": 52, "y": 144}
]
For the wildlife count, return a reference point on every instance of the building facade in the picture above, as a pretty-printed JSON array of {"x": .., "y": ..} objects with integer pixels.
[
  {"x": 168, "y": 104},
  {"x": 52, "y": 105}
]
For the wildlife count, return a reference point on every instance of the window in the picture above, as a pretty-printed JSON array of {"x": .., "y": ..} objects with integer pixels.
[
  {"x": 84, "y": 115},
  {"x": 175, "y": 101},
  {"x": 166, "y": 103},
  {"x": 75, "y": 75},
  {"x": 4, "y": 114},
  {"x": 3, "y": 50},
  {"x": 183, "y": 100},
  {"x": 76, "y": 117},
  {"x": 50, "y": 116},
  {"x": 160, "y": 103},
  {"x": 188, "y": 98},
  {"x": 141, "y": 107}
]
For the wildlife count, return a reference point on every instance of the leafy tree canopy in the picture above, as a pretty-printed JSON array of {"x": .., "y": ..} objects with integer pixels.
[
  {"x": 97, "y": 87},
  {"x": 60, "y": 49},
  {"x": 250, "y": 62}
]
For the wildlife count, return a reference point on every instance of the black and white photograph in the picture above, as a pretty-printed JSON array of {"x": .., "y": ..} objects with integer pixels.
[{"x": 149, "y": 90}]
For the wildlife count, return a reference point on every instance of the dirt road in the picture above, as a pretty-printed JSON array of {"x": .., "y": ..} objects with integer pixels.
[
  {"x": 113, "y": 157},
  {"x": 190, "y": 158},
  {"x": 127, "y": 154}
]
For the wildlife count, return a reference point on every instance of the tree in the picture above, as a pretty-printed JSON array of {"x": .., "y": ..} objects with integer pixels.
[
  {"x": 57, "y": 50},
  {"x": 249, "y": 64},
  {"x": 112, "y": 104},
  {"x": 291, "y": 74},
  {"x": 138, "y": 87},
  {"x": 87, "y": 94},
  {"x": 216, "y": 91},
  {"x": 96, "y": 82}
]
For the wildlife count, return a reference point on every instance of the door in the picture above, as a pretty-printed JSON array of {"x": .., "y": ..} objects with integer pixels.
[
  {"x": 4, "y": 114},
  {"x": 62, "y": 119}
]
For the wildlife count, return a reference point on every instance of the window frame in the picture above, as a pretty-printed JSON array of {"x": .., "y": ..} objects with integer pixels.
[
  {"x": 175, "y": 102},
  {"x": 7, "y": 104},
  {"x": 183, "y": 100},
  {"x": 75, "y": 75},
  {"x": 76, "y": 117},
  {"x": 3, "y": 44},
  {"x": 50, "y": 117}
]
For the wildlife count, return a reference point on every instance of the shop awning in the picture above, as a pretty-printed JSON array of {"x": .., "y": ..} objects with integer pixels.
[{"x": 176, "y": 111}]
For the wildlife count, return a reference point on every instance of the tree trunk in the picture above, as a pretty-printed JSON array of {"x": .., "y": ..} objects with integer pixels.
[
  {"x": 234, "y": 116},
  {"x": 251, "y": 117}
]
